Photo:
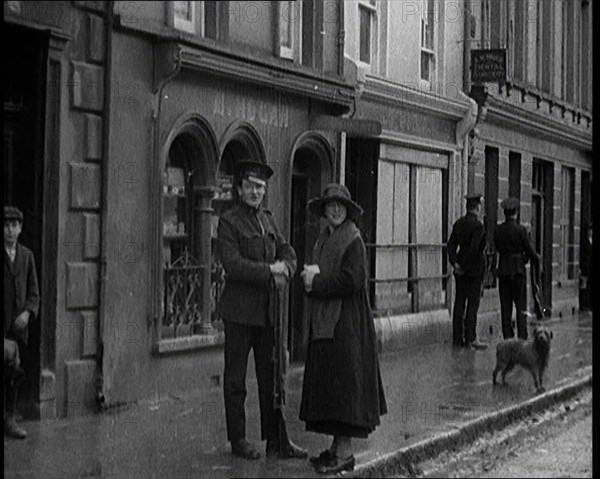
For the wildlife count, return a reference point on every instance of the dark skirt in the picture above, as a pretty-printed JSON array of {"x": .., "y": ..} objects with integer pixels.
[{"x": 342, "y": 393}]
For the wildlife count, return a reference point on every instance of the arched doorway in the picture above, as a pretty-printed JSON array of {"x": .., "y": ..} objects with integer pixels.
[{"x": 312, "y": 168}]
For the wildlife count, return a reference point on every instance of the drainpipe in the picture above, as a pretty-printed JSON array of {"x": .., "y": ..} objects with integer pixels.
[
  {"x": 100, "y": 399},
  {"x": 156, "y": 181}
]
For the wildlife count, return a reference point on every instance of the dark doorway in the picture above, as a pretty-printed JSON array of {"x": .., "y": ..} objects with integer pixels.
[
  {"x": 306, "y": 184},
  {"x": 542, "y": 203},
  {"x": 24, "y": 112}
]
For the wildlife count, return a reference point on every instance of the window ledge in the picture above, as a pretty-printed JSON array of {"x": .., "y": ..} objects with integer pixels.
[{"x": 189, "y": 343}]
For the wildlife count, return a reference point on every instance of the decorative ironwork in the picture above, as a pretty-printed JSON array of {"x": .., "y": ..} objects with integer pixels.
[
  {"x": 217, "y": 283},
  {"x": 183, "y": 294}
]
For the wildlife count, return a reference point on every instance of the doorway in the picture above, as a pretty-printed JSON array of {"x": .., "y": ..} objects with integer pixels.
[
  {"x": 542, "y": 202},
  {"x": 310, "y": 172},
  {"x": 24, "y": 112}
]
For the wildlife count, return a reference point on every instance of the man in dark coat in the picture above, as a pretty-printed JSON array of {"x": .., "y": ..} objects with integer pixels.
[
  {"x": 21, "y": 304},
  {"x": 252, "y": 252},
  {"x": 515, "y": 249},
  {"x": 465, "y": 253}
]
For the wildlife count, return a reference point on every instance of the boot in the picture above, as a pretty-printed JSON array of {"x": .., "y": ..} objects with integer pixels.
[{"x": 11, "y": 428}]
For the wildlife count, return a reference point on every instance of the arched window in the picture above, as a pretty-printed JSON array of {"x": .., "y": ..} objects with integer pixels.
[{"x": 188, "y": 186}]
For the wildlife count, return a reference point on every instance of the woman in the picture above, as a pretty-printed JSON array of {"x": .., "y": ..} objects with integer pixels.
[{"x": 342, "y": 394}]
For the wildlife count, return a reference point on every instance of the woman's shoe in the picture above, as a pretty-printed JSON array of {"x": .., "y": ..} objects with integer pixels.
[
  {"x": 326, "y": 457},
  {"x": 338, "y": 465}
]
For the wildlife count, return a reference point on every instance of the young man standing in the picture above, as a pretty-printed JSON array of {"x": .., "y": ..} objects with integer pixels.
[{"x": 21, "y": 304}]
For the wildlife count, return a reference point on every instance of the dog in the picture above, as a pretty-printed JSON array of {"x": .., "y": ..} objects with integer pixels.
[{"x": 532, "y": 355}]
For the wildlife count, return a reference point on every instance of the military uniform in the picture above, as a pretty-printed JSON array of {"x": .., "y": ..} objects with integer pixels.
[
  {"x": 514, "y": 248},
  {"x": 465, "y": 253},
  {"x": 248, "y": 243}
]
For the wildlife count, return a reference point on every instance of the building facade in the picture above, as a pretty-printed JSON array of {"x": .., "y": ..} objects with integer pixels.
[
  {"x": 534, "y": 137},
  {"x": 410, "y": 176},
  {"x": 147, "y": 106}
]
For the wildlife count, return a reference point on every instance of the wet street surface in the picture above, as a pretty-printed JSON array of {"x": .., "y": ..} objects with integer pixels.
[
  {"x": 429, "y": 389},
  {"x": 557, "y": 443}
]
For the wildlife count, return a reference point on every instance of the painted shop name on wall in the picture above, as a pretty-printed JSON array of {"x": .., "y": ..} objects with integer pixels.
[{"x": 251, "y": 110}]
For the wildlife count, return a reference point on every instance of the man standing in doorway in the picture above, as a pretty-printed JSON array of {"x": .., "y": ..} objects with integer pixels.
[
  {"x": 253, "y": 252},
  {"x": 515, "y": 249},
  {"x": 21, "y": 304},
  {"x": 465, "y": 253}
]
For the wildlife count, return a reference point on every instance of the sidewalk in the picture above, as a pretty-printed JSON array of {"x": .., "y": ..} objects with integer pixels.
[{"x": 431, "y": 392}]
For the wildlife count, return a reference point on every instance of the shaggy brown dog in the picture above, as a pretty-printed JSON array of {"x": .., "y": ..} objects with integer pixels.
[{"x": 532, "y": 355}]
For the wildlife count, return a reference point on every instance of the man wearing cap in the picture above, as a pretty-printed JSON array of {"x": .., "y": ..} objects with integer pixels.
[
  {"x": 465, "y": 253},
  {"x": 252, "y": 252},
  {"x": 21, "y": 304},
  {"x": 514, "y": 248}
]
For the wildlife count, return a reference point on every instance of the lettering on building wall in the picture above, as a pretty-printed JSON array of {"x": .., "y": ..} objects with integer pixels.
[{"x": 251, "y": 110}]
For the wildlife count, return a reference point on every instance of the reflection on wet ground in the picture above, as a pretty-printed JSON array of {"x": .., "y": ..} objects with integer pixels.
[{"x": 429, "y": 389}]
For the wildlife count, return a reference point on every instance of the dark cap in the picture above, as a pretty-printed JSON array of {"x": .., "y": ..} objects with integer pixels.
[
  {"x": 253, "y": 171},
  {"x": 12, "y": 213},
  {"x": 473, "y": 197},
  {"x": 510, "y": 203}
]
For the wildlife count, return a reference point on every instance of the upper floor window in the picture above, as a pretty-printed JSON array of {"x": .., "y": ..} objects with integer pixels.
[
  {"x": 200, "y": 17},
  {"x": 289, "y": 19},
  {"x": 367, "y": 12},
  {"x": 427, "y": 41}
]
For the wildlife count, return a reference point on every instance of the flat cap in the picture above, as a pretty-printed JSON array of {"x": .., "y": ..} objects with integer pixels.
[
  {"x": 510, "y": 203},
  {"x": 13, "y": 213},
  {"x": 254, "y": 171}
]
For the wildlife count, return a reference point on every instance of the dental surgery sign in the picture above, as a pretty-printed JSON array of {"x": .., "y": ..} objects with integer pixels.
[{"x": 488, "y": 66}]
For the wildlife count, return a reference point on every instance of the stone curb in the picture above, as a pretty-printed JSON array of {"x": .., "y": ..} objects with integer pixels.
[{"x": 404, "y": 460}]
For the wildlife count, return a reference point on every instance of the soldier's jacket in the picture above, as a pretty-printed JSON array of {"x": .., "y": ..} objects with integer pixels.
[
  {"x": 248, "y": 242},
  {"x": 466, "y": 245},
  {"x": 514, "y": 247}
]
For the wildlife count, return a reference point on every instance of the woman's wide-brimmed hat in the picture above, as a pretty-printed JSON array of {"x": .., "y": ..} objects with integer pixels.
[{"x": 335, "y": 192}]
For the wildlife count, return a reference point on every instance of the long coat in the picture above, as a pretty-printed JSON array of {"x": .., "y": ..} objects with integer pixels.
[
  {"x": 342, "y": 391},
  {"x": 20, "y": 287},
  {"x": 248, "y": 242}
]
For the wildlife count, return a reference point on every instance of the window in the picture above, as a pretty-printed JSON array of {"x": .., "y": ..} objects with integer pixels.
[
  {"x": 184, "y": 15},
  {"x": 427, "y": 41},
  {"x": 411, "y": 231},
  {"x": 514, "y": 175},
  {"x": 186, "y": 308},
  {"x": 567, "y": 227},
  {"x": 367, "y": 12},
  {"x": 289, "y": 19},
  {"x": 491, "y": 214}
]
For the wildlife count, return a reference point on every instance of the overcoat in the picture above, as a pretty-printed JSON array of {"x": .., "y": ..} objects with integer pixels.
[
  {"x": 248, "y": 242},
  {"x": 342, "y": 392},
  {"x": 20, "y": 287}
]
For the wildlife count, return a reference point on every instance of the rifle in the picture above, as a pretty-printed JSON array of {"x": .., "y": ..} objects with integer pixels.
[
  {"x": 278, "y": 284},
  {"x": 535, "y": 276}
]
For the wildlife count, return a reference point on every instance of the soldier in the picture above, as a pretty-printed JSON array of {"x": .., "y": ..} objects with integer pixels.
[
  {"x": 252, "y": 251},
  {"x": 21, "y": 303},
  {"x": 515, "y": 249},
  {"x": 468, "y": 235}
]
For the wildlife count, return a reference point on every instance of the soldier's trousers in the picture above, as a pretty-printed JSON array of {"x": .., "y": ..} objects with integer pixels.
[
  {"x": 468, "y": 294},
  {"x": 239, "y": 339},
  {"x": 512, "y": 289}
]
